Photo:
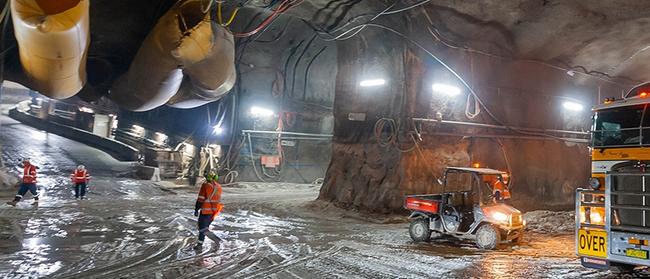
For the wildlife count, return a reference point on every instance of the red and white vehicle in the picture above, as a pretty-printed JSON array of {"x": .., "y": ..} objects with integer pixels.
[{"x": 467, "y": 207}]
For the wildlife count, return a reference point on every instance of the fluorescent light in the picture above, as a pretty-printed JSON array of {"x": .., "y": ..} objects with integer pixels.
[
  {"x": 572, "y": 106},
  {"x": 372, "y": 82},
  {"x": 160, "y": 137},
  {"x": 85, "y": 109},
  {"x": 217, "y": 130},
  {"x": 258, "y": 111},
  {"x": 138, "y": 130},
  {"x": 445, "y": 89}
]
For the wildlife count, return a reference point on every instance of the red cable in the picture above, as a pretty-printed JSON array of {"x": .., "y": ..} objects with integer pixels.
[{"x": 283, "y": 7}]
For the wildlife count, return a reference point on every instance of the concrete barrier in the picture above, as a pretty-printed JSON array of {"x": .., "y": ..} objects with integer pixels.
[{"x": 116, "y": 149}]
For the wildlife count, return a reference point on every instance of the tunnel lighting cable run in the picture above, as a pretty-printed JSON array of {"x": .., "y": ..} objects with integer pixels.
[{"x": 465, "y": 84}]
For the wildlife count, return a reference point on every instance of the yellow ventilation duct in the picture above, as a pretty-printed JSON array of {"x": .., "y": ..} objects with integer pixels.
[
  {"x": 211, "y": 77},
  {"x": 53, "y": 39},
  {"x": 183, "y": 42}
]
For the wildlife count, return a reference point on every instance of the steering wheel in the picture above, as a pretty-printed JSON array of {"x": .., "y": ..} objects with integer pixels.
[{"x": 455, "y": 211}]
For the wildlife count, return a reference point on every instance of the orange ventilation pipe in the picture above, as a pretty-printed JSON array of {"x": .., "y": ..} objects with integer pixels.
[
  {"x": 184, "y": 45},
  {"x": 53, "y": 38}
]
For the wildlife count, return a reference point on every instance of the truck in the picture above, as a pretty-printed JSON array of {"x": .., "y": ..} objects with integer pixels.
[{"x": 613, "y": 211}]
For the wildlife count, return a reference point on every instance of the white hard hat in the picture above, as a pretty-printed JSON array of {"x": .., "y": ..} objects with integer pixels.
[{"x": 81, "y": 167}]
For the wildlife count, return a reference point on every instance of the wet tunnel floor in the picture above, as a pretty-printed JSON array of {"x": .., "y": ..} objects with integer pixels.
[{"x": 138, "y": 229}]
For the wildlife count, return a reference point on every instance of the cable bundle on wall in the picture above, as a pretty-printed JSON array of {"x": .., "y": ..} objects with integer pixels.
[
  {"x": 282, "y": 8},
  {"x": 392, "y": 128}
]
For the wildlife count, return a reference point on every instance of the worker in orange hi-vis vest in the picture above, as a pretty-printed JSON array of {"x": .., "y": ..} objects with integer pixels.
[
  {"x": 500, "y": 190},
  {"x": 209, "y": 204},
  {"x": 29, "y": 183},
  {"x": 80, "y": 178}
]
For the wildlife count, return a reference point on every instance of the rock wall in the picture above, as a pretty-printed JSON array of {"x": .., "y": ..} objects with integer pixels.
[{"x": 367, "y": 175}]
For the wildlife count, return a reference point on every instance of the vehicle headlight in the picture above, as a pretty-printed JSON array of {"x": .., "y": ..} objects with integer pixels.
[
  {"x": 594, "y": 183},
  {"x": 592, "y": 215},
  {"x": 595, "y": 217},
  {"x": 500, "y": 216}
]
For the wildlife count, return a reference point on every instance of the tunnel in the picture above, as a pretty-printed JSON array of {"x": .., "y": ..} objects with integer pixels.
[{"x": 324, "y": 139}]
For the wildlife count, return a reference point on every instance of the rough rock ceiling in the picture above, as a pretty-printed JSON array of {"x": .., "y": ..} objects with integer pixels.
[
  {"x": 606, "y": 36},
  {"x": 603, "y": 36}
]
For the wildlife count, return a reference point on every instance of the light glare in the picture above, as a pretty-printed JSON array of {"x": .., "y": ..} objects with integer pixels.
[
  {"x": 572, "y": 106},
  {"x": 85, "y": 109},
  {"x": 372, "y": 82},
  {"x": 445, "y": 89},
  {"x": 258, "y": 111},
  {"x": 500, "y": 216},
  {"x": 217, "y": 130}
]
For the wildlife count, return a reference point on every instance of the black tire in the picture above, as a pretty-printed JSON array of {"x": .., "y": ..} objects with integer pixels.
[
  {"x": 487, "y": 237},
  {"x": 621, "y": 269},
  {"x": 419, "y": 230},
  {"x": 519, "y": 239}
]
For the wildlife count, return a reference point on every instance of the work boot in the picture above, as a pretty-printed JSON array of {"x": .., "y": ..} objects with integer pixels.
[
  {"x": 198, "y": 246},
  {"x": 12, "y": 203}
]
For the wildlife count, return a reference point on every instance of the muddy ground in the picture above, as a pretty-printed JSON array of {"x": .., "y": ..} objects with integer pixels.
[{"x": 140, "y": 229}]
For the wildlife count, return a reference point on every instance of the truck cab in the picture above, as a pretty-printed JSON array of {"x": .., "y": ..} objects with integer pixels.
[{"x": 613, "y": 211}]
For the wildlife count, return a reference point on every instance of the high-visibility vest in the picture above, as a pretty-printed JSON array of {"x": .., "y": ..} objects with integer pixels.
[
  {"x": 29, "y": 174},
  {"x": 210, "y": 198},
  {"x": 80, "y": 176},
  {"x": 500, "y": 187}
]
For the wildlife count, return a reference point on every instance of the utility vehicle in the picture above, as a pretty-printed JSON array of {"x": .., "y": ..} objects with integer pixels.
[{"x": 470, "y": 205}]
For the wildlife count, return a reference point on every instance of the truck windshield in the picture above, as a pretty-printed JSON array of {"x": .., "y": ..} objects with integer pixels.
[{"x": 618, "y": 127}]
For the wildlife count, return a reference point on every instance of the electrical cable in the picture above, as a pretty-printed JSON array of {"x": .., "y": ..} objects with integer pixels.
[
  {"x": 283, "y": 7},
  {"x": 446, "y": 42},
  {"x": 250, "y": 148},
  {"x": 292, "y": 52},
  {"x": 232, "y": 17},
  {"x": 477, "y": 107},
  {"x": 278, "y": 37},
  {"x": 360, "y": 28},
  {"x": 229, "y": 178},
  {"x": 392, "y": 139},
  {"x": 306, "y": 78},
  {"x": 219, "y": 15},
  {"x": 295, "y": 66},
  {"x": 407, "y": 8},
  {"x": 507, "y": 160},
  {"x": 463, "y": 82}
]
